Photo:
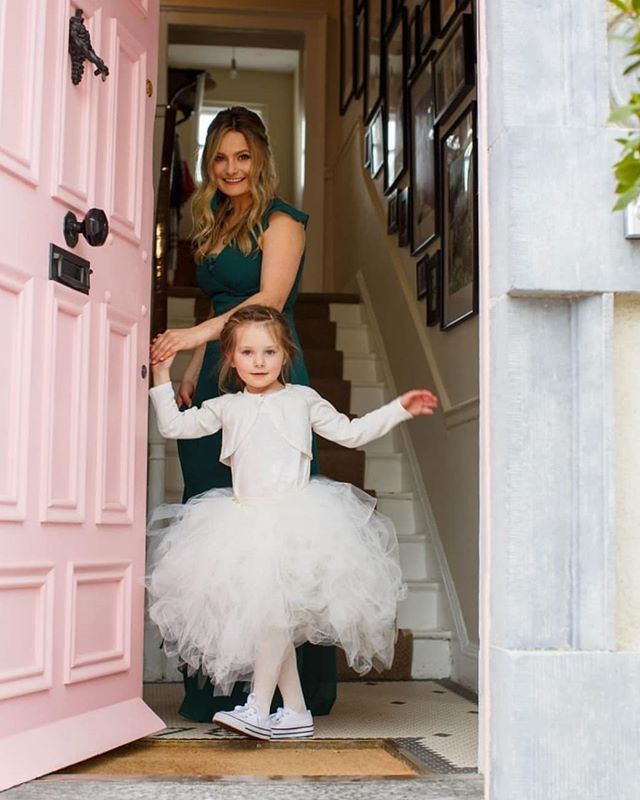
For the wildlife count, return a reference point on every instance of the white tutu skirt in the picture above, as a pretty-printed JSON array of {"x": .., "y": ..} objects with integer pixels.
[{"x": 318, "y": 564}]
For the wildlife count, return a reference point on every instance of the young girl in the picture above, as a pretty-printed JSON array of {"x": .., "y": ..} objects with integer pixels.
[{"x": 244, "y": 575}]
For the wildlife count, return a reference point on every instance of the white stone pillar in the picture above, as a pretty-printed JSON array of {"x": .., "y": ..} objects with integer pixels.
[{"x": 560, "y": 703}]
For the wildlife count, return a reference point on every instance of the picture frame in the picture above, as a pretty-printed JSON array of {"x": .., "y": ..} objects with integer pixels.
[
  {"x": 360, "y": 49},
  {"x": 395, "y": 103},
  {"x": 446, "y": 13},
  {"x": 428, "y": 25},
  {"x": 424, "y": 159},
  {"x": 366, "y": 148},
  {"x": 403, "y": 216},
  {"x": 390, "y": 7},
  {"x": 459, "y": 239},
  {"x": 392, "y": 212},
  {"x": 454, "y": 66},
  {"x": 347, "y": 62},
  {"x": 373, "y": 57},
  {"x": 376, "y": 127},
  {"x": 413, "y": 45},
  {"x": 433, "y": 280},
  {"x": 421, "y": 277}
]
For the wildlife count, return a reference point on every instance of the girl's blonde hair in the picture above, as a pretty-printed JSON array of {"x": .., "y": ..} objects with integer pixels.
[
  {"x": 208, "y": 223},
  {"x": 252, "y": 315}
]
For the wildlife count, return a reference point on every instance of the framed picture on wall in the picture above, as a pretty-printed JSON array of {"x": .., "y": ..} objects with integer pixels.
[
  {"x": 446, "y": 12},
  {"x": 424, "y": 167},
  {"x": 421, "y": 277},
  {"x": 392, "y": 212},
  {"x": 376, "y": 128},
  {"x": 395, "y": 79},
  {"x": 428, "y": 25},
  {"x": 373, "y": 57},
  {"x": 458, "y": 160},
  {"x": 366, "y": 149},
  {"x": 359, "y": 51},
  {"x": 403, "y": 216},
  {"x": 455, "y": 66},
  {"x": 389, "y": 8},
  {"x": 346, "y": 53},
  {"x": 433, "y": 280},
  {"x": 413, "y": 45}
]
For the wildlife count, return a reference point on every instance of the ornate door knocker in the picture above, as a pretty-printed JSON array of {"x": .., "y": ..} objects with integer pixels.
[{"x": 80, "y": 49}]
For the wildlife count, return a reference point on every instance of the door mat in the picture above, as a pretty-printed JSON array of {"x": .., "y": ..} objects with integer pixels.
[{"x": 188, "y": 758}]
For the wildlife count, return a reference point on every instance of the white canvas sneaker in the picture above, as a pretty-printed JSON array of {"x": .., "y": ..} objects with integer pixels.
[
  {"x": 245, "y": 719},
  {"x": 288, "y": 724}
]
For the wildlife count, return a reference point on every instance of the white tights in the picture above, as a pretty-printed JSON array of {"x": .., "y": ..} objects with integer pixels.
[{"x": 276, "y": 666}]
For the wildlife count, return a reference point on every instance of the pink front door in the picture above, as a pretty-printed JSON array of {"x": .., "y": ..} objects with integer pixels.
[{"x": 73, "y": 407}]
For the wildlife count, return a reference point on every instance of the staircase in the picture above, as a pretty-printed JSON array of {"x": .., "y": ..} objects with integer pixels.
[{"x": 345, "y": 370}]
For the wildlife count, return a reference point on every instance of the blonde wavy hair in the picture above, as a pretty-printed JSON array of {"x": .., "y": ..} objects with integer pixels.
[
  {"x": 228, "y": 379},
  {"x": 208, "y": 223}
]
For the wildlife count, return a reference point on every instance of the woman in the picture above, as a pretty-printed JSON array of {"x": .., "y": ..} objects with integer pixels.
[{"x": 250, "y": 248}]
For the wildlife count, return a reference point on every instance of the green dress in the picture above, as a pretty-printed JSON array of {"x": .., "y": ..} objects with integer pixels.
[{"x": 229, "y": 278}]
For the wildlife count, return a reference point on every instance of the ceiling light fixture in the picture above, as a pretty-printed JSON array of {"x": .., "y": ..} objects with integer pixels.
[{"x": 233, "y": 72}]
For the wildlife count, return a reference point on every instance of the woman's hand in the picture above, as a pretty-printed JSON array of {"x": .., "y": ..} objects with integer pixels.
[
  {"x": 185, "y": 392},
  {"x": 171, "y": 341},
  {"x": 419, "y": 401}
]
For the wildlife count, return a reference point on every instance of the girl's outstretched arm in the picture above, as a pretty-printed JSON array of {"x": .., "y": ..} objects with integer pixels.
[{"x": 331, "y": 424}]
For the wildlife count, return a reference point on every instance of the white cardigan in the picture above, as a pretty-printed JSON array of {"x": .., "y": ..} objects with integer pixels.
[{"x": 294, "y": 411}]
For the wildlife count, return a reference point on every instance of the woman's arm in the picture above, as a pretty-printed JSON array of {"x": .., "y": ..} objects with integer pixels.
[{"x": 282, "y": 248}]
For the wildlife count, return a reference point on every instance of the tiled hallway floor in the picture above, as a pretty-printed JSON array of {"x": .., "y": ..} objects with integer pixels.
[{"x": 428, "y": 719}]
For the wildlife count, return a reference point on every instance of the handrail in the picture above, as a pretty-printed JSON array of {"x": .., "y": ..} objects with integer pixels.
[{"x": 161, "y": 226}]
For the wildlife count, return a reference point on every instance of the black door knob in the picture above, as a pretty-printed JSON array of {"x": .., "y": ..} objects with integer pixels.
[{"x": 94, "y": 227}]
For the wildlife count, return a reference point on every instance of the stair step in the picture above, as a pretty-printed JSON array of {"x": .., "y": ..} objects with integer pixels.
[
  {"x": 431, "y": 654},
  {"x": 421, "y": 608},
  {"x": 389, "y": 443},
  {"x": 324, "y": 363},
  {"x": 362, "y": 368},
  {"x": 317, "y": 334},
  {"x": 352, "y": 338},
  {"x": 366, "y": 397},
  {"x": 335, "y": 390},
  {"x": 400, "y": 669},
  {"x": 346, "y": 313},
  {"x": 403, "y": 509},
  {"x": 317, "y": 310},
  {"x": 327, "y": 297},
  {"x": 386, "y": 472},
  {"x": 343, "y": 465},
  {"x": 413, "y": 556}
]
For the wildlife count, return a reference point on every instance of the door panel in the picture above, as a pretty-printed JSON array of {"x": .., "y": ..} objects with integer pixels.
[
  {"x": 64, "y": 409},
  {"x": 16, "y": 304},
  {"x": 124, "y": 150},
  {"x": 73, "y": 487},
  {"x": 22, "y": 29}
]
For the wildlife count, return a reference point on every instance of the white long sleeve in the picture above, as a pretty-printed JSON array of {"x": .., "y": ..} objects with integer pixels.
[
  {"x": 330, "y": 423},
  {"x": 190, "y": 424}
]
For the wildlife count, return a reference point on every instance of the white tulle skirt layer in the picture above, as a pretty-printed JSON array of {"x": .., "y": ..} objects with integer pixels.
[{"x": 319, "y": 564}]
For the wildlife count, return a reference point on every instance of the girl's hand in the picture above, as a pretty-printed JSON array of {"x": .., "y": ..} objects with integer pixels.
[
  {"x": 161, "y": 371},
  {"x": 419, "y": 401},
  {"x": 171, "y": 341},
  {"x": 185, "y": 392}
]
